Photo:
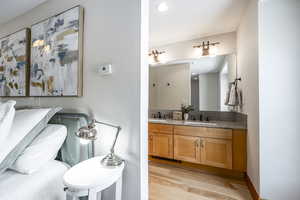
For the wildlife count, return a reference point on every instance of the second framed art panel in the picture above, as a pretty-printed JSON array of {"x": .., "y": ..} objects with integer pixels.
[{"x": 56, "y": 55}]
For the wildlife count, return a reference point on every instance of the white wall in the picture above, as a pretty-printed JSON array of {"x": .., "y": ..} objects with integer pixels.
[
  {"x": 184, "y": 50},
  {"x": 228, "y": 73},
  {"x": 116, "y": 32},
  {"x": 209, "y": 92},
  {"x": 223, "y": 85},
  {"x": 247, "y": 62},
  {"x": 232, "y": 67},
  {"x": 195, "y": 93},
  {"x": 279, "y": 84},
  {"x": 164, "y": 97},
  {"x": 153, "y": 96}
]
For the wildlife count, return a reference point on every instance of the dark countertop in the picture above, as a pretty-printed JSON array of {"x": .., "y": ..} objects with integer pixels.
[{"x": 210, "y": 124}]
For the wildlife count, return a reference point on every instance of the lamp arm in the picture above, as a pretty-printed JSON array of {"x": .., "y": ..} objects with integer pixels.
[
  {"x": 112, "y": 149},
  {"x": 119, "y": 128},
  {"x": 107, "y": 124}
]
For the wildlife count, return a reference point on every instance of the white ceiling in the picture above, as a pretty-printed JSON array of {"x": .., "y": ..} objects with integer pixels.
[
  {"x": 10, "y": 9},
  {"x": 185, "y": 19},
  {"x": 190, "y": 19}
]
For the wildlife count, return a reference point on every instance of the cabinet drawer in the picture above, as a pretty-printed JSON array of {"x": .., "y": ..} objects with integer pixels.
[
  {"x": 190, "y": 131},
  {"x": 153, "y": 128},
  {"x": 160, "y": 129},
  {"x": 218, "y": 133}
]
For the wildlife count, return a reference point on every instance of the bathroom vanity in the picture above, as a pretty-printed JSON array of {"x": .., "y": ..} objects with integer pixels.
[
  {"x": 215, "y": 144},
  {"x": 205, "y": 84}
]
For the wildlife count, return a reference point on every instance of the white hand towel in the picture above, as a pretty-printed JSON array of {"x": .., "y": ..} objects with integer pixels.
[
  {"x": 228, "y": 95},
  {"x": 239, "y": 97},
  {"x": 232, "y": 96}
]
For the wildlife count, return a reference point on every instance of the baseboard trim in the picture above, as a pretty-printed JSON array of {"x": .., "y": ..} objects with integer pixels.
[
  {"x": 200, "y": 168},
  {"x": 252, "y": 189}
]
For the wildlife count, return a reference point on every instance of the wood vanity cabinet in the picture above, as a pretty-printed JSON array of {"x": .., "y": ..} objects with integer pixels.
[{"x": 217, "y": 147}]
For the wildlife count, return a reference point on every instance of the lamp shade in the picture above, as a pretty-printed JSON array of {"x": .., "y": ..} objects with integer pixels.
[{"x": 87, "y": 133}]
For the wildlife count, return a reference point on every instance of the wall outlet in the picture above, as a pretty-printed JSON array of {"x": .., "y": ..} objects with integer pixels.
[{"x": 105, "y": 69}]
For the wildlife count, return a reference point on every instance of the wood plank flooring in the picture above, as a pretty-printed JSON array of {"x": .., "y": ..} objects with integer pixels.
[{"x": 168, "y": 182}]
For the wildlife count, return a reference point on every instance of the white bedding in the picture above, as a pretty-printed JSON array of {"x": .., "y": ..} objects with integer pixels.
[
  {"x": 43, "y": 148},
  {"x": 7, "y": 114},
  {"x": 24, "y": 121},
  {"x": 45, "y": 184}
]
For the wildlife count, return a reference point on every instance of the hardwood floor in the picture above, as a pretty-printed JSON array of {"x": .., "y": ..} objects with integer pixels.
[{"x": 167, "y": 182}]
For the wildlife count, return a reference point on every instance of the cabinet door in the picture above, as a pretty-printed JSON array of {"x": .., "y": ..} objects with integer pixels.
[
  {"x": 161, "y": 145},
  {"x": 216, "y": 152},
  {"x": 187, "y": 148}
]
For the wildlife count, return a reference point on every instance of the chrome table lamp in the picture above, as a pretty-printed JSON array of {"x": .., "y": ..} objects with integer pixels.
[{"x": 90, "y": 133}]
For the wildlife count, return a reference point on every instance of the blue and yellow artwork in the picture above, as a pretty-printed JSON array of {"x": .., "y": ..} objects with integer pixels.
[
  {"x": 14, "y": 64},
  {"x": 55, "y": 68}
]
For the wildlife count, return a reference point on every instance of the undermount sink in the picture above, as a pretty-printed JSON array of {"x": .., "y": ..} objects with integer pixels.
[
  {"x": 200, "y": 123},
  {"x": 181, "y": 122},
  {"x": 157, "y": 120}
]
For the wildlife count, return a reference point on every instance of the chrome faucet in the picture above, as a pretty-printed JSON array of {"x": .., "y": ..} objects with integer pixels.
[{"x": 159, "y": 115}]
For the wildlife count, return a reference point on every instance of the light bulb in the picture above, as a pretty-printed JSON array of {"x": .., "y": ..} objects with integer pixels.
[
  {"x": 163, "y": 7},
  {"x": 162, "y": 58},
  {"x": 151, "y": 60},
  {"x": 198, "y": 52}
]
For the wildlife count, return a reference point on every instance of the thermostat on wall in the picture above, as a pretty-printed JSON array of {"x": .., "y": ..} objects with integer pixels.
[{"x": 105, "y": 69}]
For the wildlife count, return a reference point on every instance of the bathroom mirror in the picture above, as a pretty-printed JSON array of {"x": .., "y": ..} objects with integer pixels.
[{"x": 202, "y": 82}]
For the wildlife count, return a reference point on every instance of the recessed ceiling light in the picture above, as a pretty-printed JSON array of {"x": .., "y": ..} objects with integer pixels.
[{"x": 163, "y": 7}]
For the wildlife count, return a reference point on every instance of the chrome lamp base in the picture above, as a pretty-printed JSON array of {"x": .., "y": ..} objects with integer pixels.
[{"x": 112, "y": 160}]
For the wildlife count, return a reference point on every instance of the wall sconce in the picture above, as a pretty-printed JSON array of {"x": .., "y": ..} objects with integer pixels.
[
  {"x": 208, "y": 48},
  {"x": 155, "y": 54}
]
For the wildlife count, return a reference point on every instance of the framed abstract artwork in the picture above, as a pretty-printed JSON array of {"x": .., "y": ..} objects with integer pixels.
[
  {"x": 56, "y": 55},
  {"x": 14, "y": 64}
]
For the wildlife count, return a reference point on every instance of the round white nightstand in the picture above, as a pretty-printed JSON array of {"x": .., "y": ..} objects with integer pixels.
[{"x": 90, "y": 178}]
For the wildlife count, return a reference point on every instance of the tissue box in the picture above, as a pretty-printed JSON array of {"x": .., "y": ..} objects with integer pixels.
[{"x": 177, "y": 115}]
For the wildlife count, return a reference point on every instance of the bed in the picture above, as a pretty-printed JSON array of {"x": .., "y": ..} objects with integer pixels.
[{"x": 47, "y": 182}]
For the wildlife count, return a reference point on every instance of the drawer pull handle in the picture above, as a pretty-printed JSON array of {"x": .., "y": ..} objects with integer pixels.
[
  {"x": 197, "y": 143},
  {"x": 201, "y": 144}
]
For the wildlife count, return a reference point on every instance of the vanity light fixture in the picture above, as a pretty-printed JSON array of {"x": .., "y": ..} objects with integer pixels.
[
  {"x": 207, "y": 48},
  {"x": 162, "y": 7},
  {"x": 155, "y": 54},
  {"x": 89, "y": 133}
]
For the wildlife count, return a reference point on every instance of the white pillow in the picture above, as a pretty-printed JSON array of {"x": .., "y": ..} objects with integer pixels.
[
  {"x": 43, "y": 149},
  {"x": 7, "y": 113},
  {"x": 27, "y": 125}
]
